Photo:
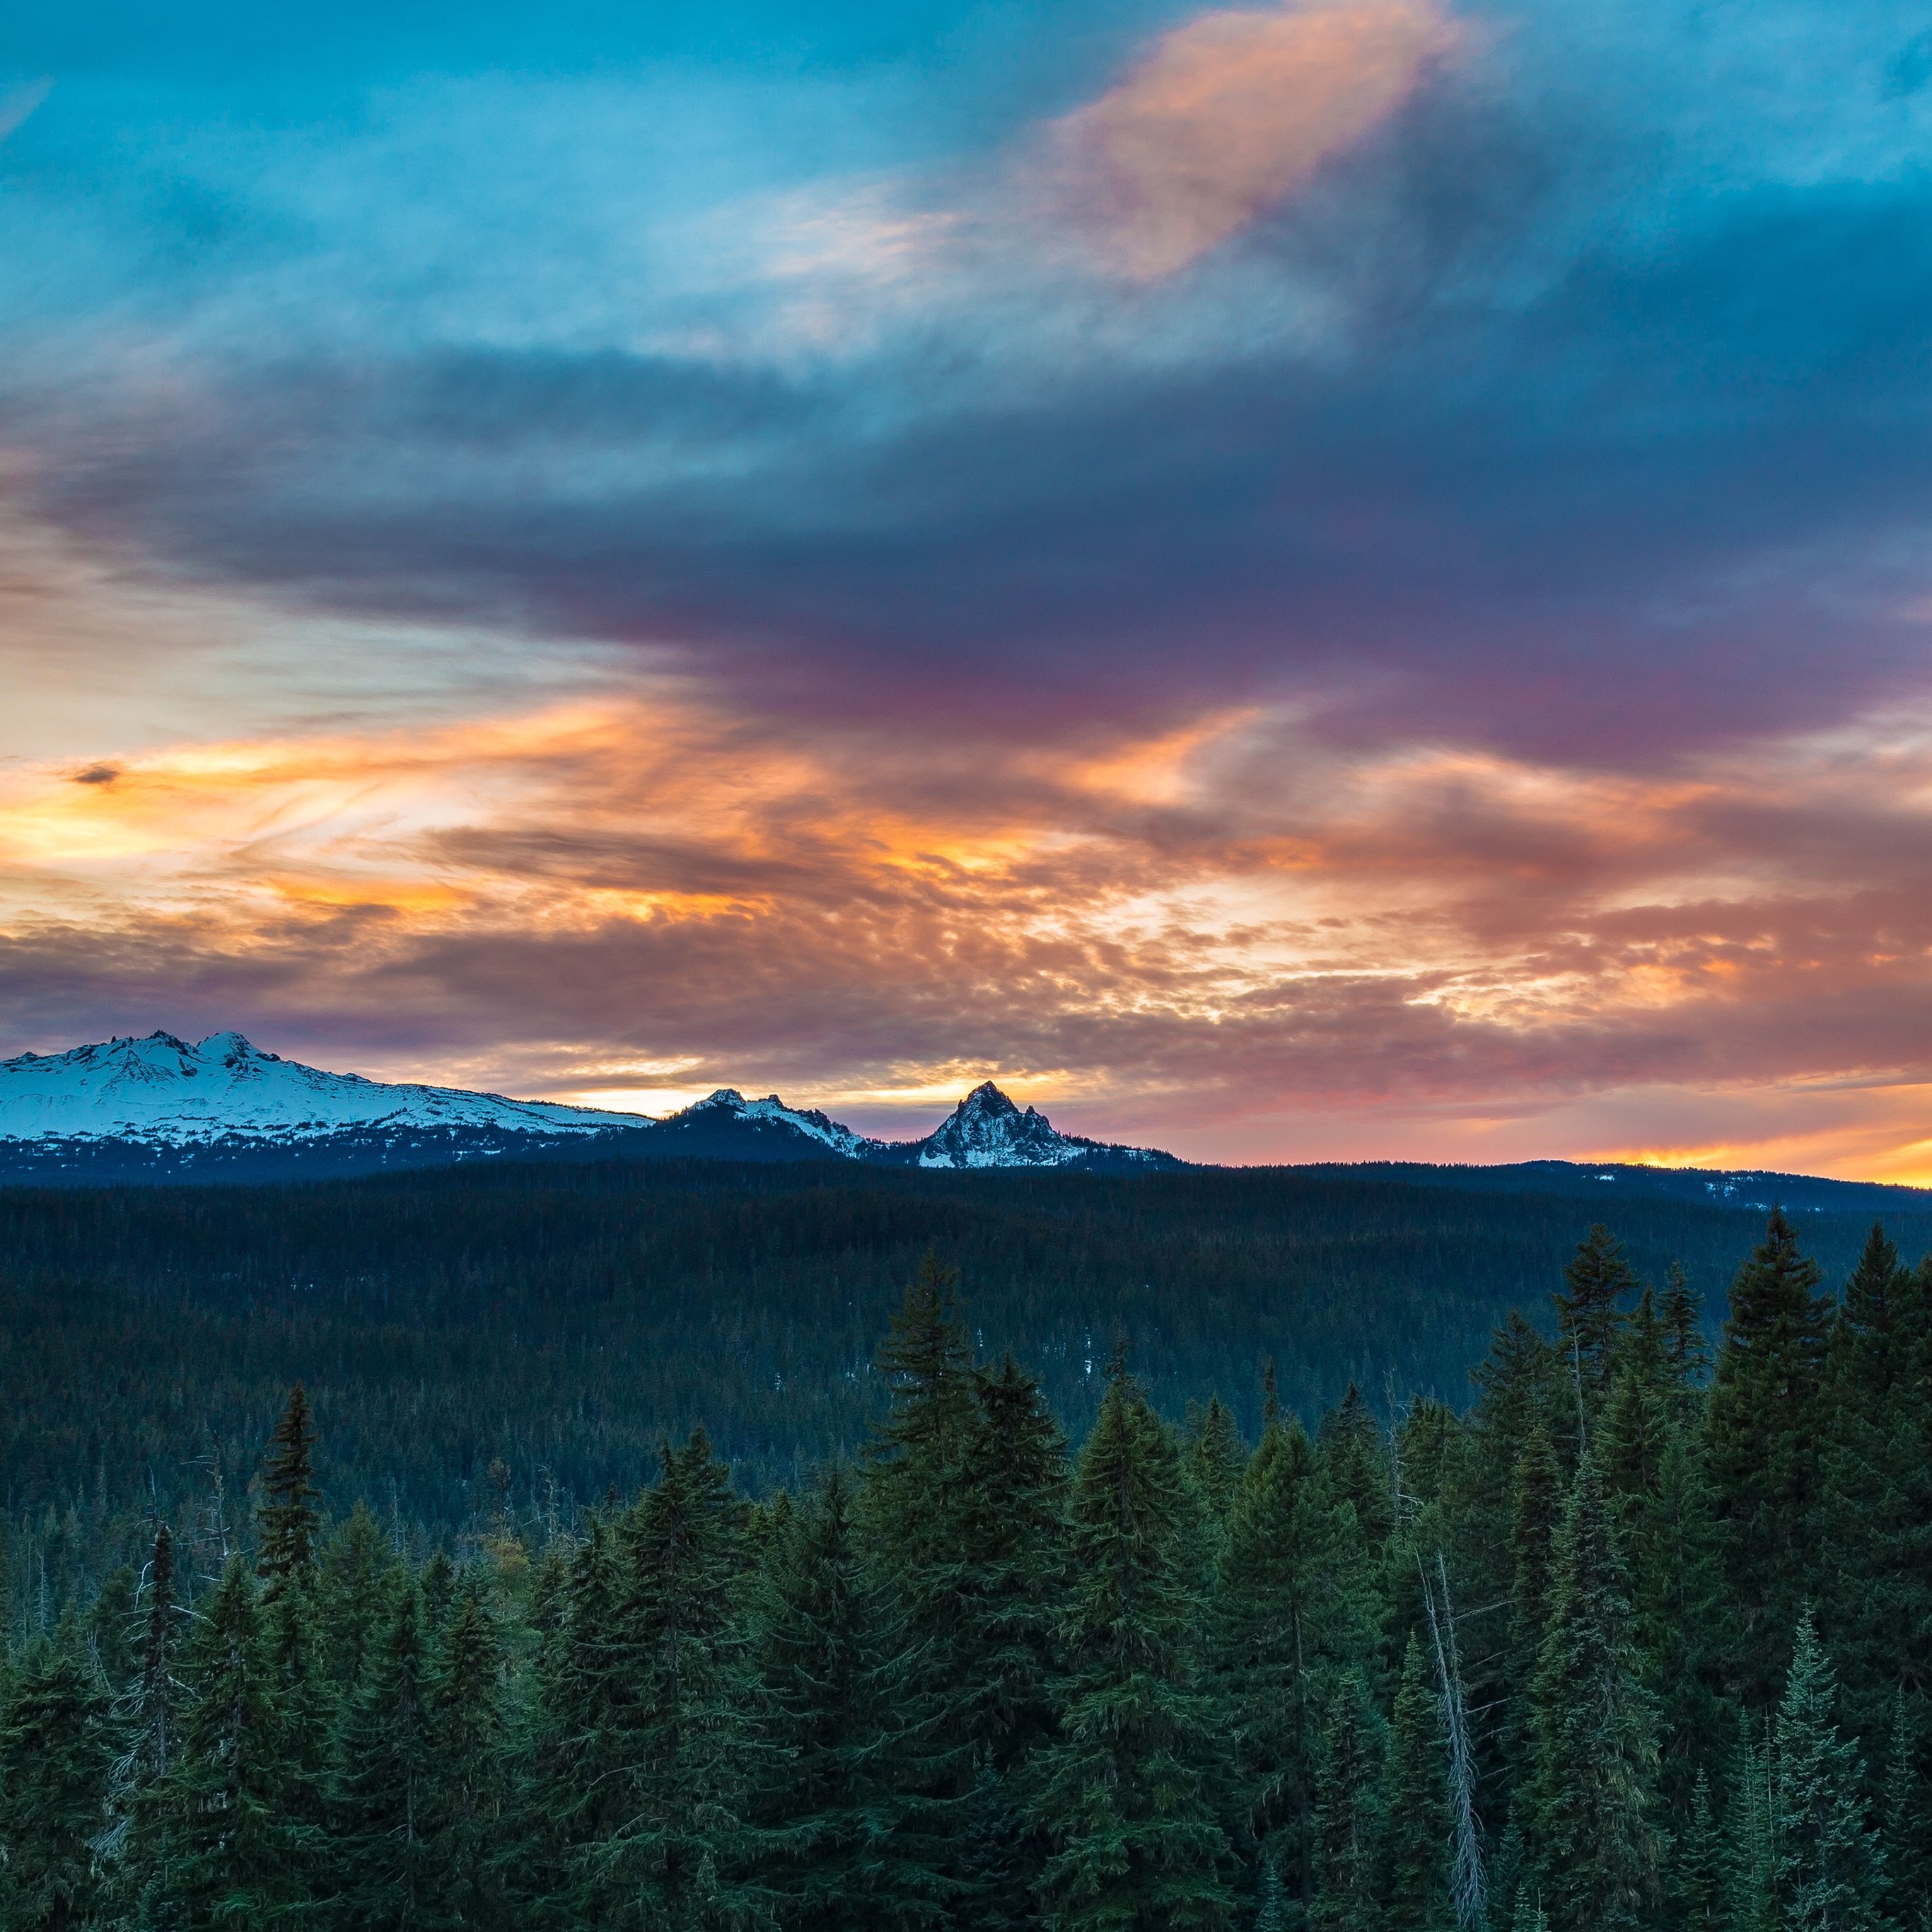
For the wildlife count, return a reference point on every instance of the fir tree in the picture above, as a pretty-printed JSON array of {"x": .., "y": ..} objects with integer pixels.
[
  {"x": 677, "y": 1736},
  {"x": 1347, "y": 1819},
  {"x": 1684, "y": 1347},
  {"x": 1698, "y": 1869},
  {"x": 286, "y": 1520},
  {"x": 1122, "y": 1794},
  {"x": 238, "y": 1857},
  {"x": 1415, "y": 1808},
  {"x": 1295, "y": 1608},
  {"x": 1005, "y": 1578},
  {"x": 1591, "y": 1794},
  {"x": 1764, "y": 1420},
  {"x": 466, "y": 1786},
  {"x": 1588, "y": 1320},
  {"x": 384, "y": 1877},
  {"x": 1217, "y": 1456},
  {"x": 1828, "y": 1862},
  {"x": 1350, "y": 1446},
  {"x": 840, "y": 1817},
  {"x": 54, "y": 1758},
  {"x": 1536, "y": 1508}
]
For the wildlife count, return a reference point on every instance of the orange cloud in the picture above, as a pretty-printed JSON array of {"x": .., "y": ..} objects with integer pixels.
[{"x": 1233, "y": 111}]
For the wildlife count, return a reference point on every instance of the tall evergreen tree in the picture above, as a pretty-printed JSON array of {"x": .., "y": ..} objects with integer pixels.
[
  {"x": 1764, "y": 1422},
  {"x": 1347, "y": 1831},
  {"x": 286, "y": 1520},
  {"x": 1123, "y": 1793},
  {"x": 1217, "y": 1456},
  {"x": 385, "y": 1878},
  {"x": 238, "y": 1857},
  {"x": 1350, "y": 1446},
  {"x": 1415, "y": 1808},
  {"x": 676, "y": 1738},
  {"x": 1828, "y": 1862},
  {"x": 1588, "y": 1318},
  {"x": 1591, "y": 1793},
  {"x": 54, "y": 1758},
  {"x": 1295, "y": 1609},
  {"x": 845, "y": 1831},
  {"x": 467, "y": 1793}
]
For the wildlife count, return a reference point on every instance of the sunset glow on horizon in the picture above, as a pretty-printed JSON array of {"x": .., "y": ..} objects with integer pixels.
[{"x": 1338, "y": 582}]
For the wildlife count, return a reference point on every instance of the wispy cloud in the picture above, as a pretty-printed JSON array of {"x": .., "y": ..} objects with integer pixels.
[
  {"x": 18, "y": 104},
  {"x": 1230, "y": 112}
]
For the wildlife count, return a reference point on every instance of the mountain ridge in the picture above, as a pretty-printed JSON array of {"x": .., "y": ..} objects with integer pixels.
[{"x": 161, "y": 1107}]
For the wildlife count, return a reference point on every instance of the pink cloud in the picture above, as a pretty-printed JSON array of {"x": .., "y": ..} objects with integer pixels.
[{"x": 1230, "y": 112}]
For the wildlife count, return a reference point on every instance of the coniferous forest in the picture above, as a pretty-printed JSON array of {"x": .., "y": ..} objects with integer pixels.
[{"x": 1639, "y": 1635}]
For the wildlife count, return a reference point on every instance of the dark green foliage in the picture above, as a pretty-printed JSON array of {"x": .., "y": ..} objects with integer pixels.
[
  {"x": 1217, "y": 1456},
  {"x": 1591, "y": 1799},
  {"x": 1765, "y": 1423},
  {"x": 54, "y": 1760},
  {"x": 1122, "y": 1794},
  {"x": 672, "y": 1740},
  {"x": 966, "y": 1692},
  {"x": 1296, "y": 1608},
  {"x": 1588, "y": 1318},
  {"x": 381, "y": 1817},
  {"x": 1415, "y": 1808},
  {"x": 236, "y": 1854},
  {"x": 1829, "y": 1863},
  {"x": 286, "y": 1518},
  {"x": 844, "y": 1816},
  {"x": 1348, "y": 1833}
]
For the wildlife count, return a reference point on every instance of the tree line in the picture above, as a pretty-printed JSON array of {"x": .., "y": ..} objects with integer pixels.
[{"x": 1642, "y": 1638}]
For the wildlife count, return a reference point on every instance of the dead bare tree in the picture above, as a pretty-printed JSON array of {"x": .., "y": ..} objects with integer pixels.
[{"x": 1468, "y": 1884}]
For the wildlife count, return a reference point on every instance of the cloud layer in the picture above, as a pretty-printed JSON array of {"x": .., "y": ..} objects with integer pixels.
[{"x": 1345, "y": 579}]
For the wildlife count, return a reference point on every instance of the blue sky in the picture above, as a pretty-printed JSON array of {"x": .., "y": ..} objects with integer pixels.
[{"x": 1242, "y": 569}]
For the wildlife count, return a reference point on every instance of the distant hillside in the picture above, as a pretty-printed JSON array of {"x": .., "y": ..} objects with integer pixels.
[
  {"x": 1609, "y": 1182},
  {"x": 561, "y": 1316}
]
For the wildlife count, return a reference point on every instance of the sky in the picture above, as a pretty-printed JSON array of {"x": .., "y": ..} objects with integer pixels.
[{"x": 1325, "y": 581}]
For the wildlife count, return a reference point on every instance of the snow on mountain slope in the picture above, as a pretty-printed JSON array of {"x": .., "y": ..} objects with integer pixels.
[
  {"x": 162, "y": 1090},
  {"x": 727, "y": 1103}
]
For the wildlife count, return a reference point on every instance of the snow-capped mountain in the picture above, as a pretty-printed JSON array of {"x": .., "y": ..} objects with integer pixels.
[
  {"x": 728, "y": 1106},
  {"x": 164, "y": 1090},
  {"x": 987, "y": 1129},
  {"x": 164, "y": 1109}
]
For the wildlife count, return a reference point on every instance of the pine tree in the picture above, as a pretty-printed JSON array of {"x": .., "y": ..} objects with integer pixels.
[
  {"x": 1294, "y": 1609},
  {"x": 1217, "y": 1456},
  {"x": 1829, "y": 1864},
  {"x": 54, "y": 1754},
  {"x": 238, "y": 1857},
  {"x": 1122, "y": 1794},
  {"x": 1005, "y": 1578},
  {"x": 843, "y": 1825},
  {"x": 1591, "y": 1793},
  {"x": 1350, "y": 1447},
  {"x": 286, "y": 1521},
  {"x": 1684, "y": 1347},
  {"x": 1272, "y": 1915},
  {"x": 384, "y": 1876},
  {"x": 1680, "y": 1617},
  {"x": 1764, "y": 1420},
  {"x": 1536, "y": 1509},
  {"x": 677, "y": 1737},
  {"x": 1751, "y": 1840},
  {"x": 1588, "y": 1320},
  {"x": 1873, "y": 1596},
  {"x": 466, "y": 1789},
  {"x": 1905, "y": 1821},
  {"x": 1347, "y": 1820},
  {"x": 1415, "y": 1808},
  {"x": 1698, "y": 1873}
]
